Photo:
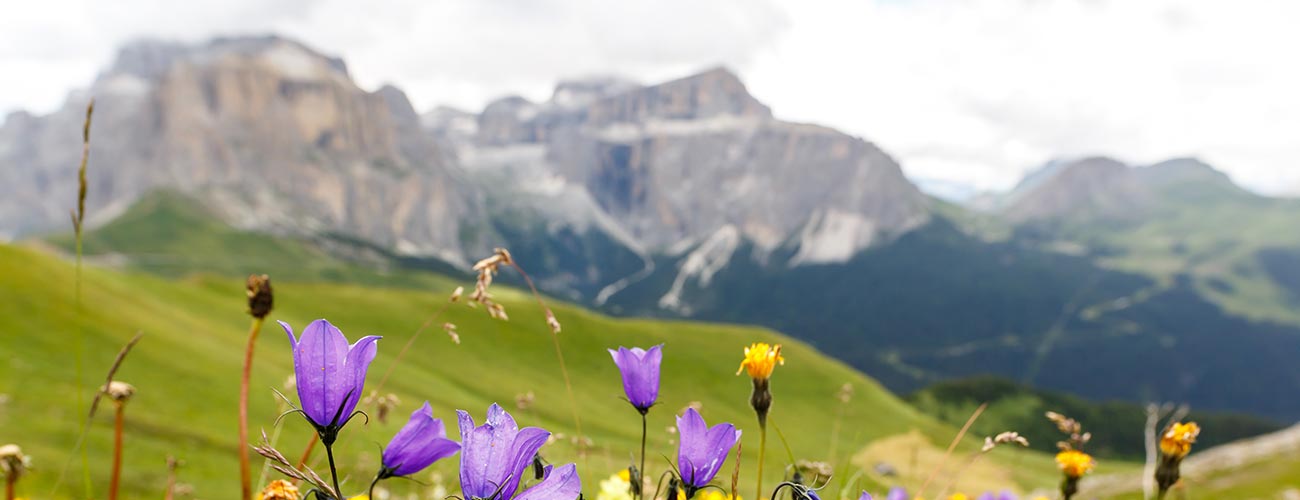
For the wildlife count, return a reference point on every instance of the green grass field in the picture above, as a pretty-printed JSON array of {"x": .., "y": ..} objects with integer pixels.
[{"x": 187, "y": 365}]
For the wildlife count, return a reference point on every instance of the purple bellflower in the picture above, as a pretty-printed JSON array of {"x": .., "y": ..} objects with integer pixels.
[
  {"x": 420, "y": 443},
  {"x": 330, "y": 375},
  {"x": 494, "y": 456},
  {"x": 897, "y": 493},
  {"x": 640, "y": 369},
  {"x": 865, "y": 496},
  {"x": 557, "y": 484},
  {"x": 702, "y": 450}
]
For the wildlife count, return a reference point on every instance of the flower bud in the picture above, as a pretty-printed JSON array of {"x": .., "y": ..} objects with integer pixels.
[
  {"x": 119, "y": 392},
  {"x": 260, "y": 299}
]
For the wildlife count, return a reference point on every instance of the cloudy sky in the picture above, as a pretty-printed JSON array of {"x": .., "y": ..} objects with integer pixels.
[{"x": 967, "y": 92}]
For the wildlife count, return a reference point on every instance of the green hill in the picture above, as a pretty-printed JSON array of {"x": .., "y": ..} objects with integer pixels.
[
  {"x": 186, "y": 368},
  {"x": 1116, "y": 425}
]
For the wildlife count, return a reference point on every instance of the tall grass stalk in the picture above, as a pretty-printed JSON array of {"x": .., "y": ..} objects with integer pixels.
[
  {"x": 78, "y": 221},
  {"x": 559, "y": 353},
  {"x": 245, "y": 469},
  {"x": 953, "y": 446},
  {"x": 115, "y": 479}
]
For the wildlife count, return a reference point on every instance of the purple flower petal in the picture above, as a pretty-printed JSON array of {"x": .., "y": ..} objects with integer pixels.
[
  {"x": 865, "y": 496},
  {"x": 640, "y": 371},
  {"x": 420, "y": 443},
  {"x": 558, "y": 484},
  {"x": 702, "y": 450},
  {"x": 495, "y": 454},
  {"x": 357, "y": 363},
  {"x": 318, "y": 357},
  {"x": 897, "y": 493}
]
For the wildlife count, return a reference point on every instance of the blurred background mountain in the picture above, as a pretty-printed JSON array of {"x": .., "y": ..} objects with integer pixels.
[{"x": 688, "y": 198}]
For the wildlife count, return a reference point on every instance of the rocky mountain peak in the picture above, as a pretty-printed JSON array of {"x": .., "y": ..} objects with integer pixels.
[
  {"x": 712, "y": 93},
  {"x": 1086, "y": 187}
]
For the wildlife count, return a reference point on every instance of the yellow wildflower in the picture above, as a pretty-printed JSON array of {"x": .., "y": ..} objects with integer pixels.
[
  {"x": 617, "y": 487},
  {"x": 958, "y": 496},
  {"x": 712, "y": 494},
  {"x": 279, "y": 490},
  {"x": 1177, "y": 440},
  {"x": 1074, "y": 463},
  {"x": 360, "y": 497},
  {"x": 760, "y": 359}
]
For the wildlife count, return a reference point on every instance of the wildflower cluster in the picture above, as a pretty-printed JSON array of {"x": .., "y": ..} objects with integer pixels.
[
  {"x": 1072, "y": 461},
  {"x": 1175, "y": 443}
]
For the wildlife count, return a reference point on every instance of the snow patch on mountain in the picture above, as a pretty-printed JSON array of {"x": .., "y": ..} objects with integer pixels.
[
  {"x": 833, "y": 236},
  {"x": 707, "y": 259}
]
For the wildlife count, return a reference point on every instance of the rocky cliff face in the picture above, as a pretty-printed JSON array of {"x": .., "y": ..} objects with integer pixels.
[
  {"x": 597, "y": 180},
  {"x": 267, "y": 132},
  {"x": 672, "y": 164}
]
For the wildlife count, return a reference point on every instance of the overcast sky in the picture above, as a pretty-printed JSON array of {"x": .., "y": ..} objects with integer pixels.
[{"x": 973, "y": 92}]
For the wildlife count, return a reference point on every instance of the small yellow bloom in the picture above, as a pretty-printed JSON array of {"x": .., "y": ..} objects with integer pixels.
[
  {"x": 1177, "y": 440},
  {"x": 616, "y": 487},
  {"x": 360, "y": 497},
  {"x": 712, "y": 494},
  {"x": 1075, "y": 463},
  {"x": 760, "y": 359},
  {"x": 958, "y": 496},
  {"x": 279, "y": 490}
]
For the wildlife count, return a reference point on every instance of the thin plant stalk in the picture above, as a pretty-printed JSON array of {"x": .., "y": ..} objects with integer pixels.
[
  {"x": 952, "y": 446},
  {"x": 640, "y": 488},
  {"x": 115, "y": 479},
  {"x": 78, "y": 220},
  {"x": 306, "y": 452},
  {"x": 953, "y": 480},
  {"x": 409, "y": 343},
  {"x": 172, "y": 463},
  {"x": 10, "y": 481},
  {"x": 762, "y": 454},
  {"x": 334, "y": 473},
  {"x": 245, "y": 469},
  {"x": 568, "y": 386}
]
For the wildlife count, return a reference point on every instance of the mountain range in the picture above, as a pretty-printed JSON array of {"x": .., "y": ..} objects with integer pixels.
[{"x": 689, "y": 198}]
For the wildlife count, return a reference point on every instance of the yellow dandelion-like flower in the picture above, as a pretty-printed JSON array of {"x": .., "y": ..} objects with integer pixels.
[
  {"x": 1178, "y": 438},
  {"x": 279, "y": 490},
  {"x": 760, "y": 359},
  {"x": 616, "y": 487},
  {"x": 712, "y": 494},
  {"x": 958, "y": 496},
  {"x": 1075, "y": 463}
]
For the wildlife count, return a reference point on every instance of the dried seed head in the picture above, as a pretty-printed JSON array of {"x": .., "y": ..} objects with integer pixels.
[
  {"x": 450, "y": 328},
  {"x": 814, "y": 468},
  {"x": 260, "y": 299},
  {"x": 498, "y": 311},
  {"x": 525, "y": 400},
  {"x": 13, "y": 463},
  {"x": 280, "y": 490},
  {"x": 383, "y": 404},
  {"x": 1008, "y": 437},
  {"x": 846, "y": 393},
  {"x": 455, "y": 294},
  {"x": 552, "y": 322},
  {"x": 119, "y": 392},
  {"x": 504, "y": 255}
]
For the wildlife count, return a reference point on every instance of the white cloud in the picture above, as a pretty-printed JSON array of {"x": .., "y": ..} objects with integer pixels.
[{"x": 968, "y": 91}]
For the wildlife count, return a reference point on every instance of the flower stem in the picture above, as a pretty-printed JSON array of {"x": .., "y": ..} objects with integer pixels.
[
  {"x": 370, "y": 492},
  {"x": 306, "y": 452},
  {"x": 115, "y": 479},
  {"x": 640, "y": 488},
  {"x": 573, "y": 402},
  {"x": 334, "y": 473},
  {"x": 10, "y": 480},
  {"x": 409, "y": 342},
  {"x": 245, "y": 470},
  {"x": 762, "y": 453}
]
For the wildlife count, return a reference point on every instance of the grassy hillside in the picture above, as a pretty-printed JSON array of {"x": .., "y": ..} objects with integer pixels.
[
  {"x": 186, "y": 369},
  {"x": 1116, "y": 425}
]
